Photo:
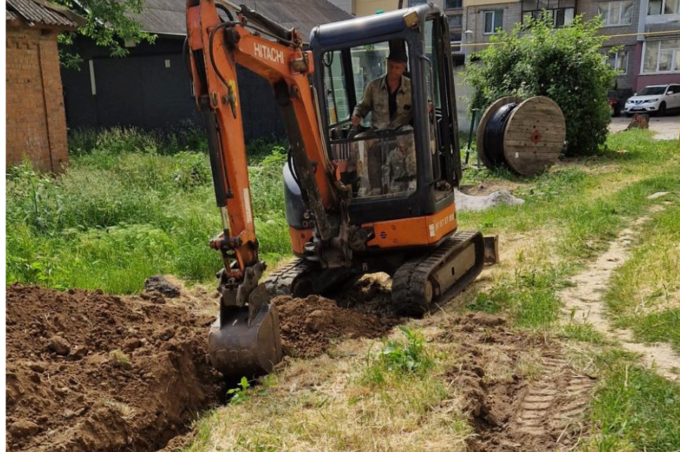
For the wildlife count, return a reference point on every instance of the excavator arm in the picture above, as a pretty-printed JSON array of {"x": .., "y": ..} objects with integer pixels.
[{"x": 245, "y": 341}]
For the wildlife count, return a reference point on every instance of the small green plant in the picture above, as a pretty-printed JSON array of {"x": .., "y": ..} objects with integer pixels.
[
  {"x": 239, "y": 394},
  {"x": 399, "y": 358}
]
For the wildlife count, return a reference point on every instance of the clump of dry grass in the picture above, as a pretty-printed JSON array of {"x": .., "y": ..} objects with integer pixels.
[
  {"x": 124, "y": 410},
  {"x": 120, "y": 359}
]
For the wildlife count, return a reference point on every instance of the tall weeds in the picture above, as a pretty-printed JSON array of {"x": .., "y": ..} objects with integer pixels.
[{"x": 131, "y": 204}]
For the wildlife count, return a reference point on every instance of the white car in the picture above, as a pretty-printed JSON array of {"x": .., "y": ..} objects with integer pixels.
[{"x": 654, "y": 99}]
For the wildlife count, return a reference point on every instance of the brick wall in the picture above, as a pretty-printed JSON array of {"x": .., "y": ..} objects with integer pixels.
[{"x": 36, "y": 123}]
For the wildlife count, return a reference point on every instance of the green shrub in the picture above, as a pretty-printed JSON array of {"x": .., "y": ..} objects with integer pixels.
[{"x": 566, "y": 65}]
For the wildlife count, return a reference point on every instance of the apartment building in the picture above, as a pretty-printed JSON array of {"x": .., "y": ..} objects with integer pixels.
[
  {"x": 484, "y": 18},
  {"x": 648, "y": 35},
  {"x": 657, "y": 55}
]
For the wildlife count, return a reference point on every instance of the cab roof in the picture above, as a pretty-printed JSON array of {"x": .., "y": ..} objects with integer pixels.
[{"x": 366, "y": 28}]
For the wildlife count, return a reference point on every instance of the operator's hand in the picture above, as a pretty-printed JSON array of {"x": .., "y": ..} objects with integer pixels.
[{"x": 356, "y": 120}]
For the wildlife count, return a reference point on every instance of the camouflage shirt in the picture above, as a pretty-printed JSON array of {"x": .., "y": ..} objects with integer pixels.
[{"x": 376, "y": 100}]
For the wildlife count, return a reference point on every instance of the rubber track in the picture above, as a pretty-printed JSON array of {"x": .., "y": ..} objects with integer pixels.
[
  {"x": 281, "y": 281},
  {"x": 409, "y": 282}
]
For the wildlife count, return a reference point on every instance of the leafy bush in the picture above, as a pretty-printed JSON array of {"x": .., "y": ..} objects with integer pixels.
[{"x": 565, "y": 65}]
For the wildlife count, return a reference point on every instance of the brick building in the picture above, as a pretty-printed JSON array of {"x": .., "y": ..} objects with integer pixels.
[{"x": 36, "y": 126}]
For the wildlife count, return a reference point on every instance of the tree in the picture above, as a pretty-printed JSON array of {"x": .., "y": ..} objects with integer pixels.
[
  {"x": 565, "y": 64},
  {"x": 109, "y": 24}
]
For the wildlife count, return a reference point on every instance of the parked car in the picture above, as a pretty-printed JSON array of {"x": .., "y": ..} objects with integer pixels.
[{"x": 656, "y": 99}]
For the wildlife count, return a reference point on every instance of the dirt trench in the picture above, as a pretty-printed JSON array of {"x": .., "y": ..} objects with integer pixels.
[{"x": 88, "y": 371}]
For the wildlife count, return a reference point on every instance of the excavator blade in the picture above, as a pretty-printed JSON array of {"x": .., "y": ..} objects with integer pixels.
[{"x": 246, "y": 342}]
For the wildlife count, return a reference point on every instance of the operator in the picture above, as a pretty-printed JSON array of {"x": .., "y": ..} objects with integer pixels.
[
  {"x": 389, "y": 100},
  {"x": 388, "y": 97}
]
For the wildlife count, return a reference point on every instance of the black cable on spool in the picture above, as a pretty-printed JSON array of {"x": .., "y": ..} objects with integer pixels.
[{"x": 493, "y": 135}]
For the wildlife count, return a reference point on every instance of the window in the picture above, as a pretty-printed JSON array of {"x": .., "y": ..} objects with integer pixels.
[
  {"x": 619, "y": 61},
  {"x": 456, "y": 38},
  {"x": 456, "y": 21},
  {"x": 657, "y": 7},
  {"x": 661, "y": 56},
  {"x": 493, "y": 20},
  {"x": 561, "y": 11},
  {"x": 616, "y": 13},
  {"x": 450, "y": 4},
  {"x": 416, "y": 2},
  {"x": 334, "y": 80}
]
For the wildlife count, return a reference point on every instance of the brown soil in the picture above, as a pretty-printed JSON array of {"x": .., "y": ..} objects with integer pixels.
[
  {"x": 93, "y": 372},
  {"x": 309, "y": 325},
  {"x": 87, "y": 371},
  {"x": 516, "y": 412}
]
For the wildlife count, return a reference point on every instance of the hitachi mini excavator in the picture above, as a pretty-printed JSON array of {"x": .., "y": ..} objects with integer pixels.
[{"x": 358, "y": 200}]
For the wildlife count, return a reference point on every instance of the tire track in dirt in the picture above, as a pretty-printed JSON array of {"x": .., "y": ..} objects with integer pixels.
[
  {"x": 584, "y": 301},
  {"x": 516, "y": 413},
  {"x": 554, "y": 405}
]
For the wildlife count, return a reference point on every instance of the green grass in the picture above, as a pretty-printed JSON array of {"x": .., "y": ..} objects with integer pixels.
[
  {"x": 529, "y": 296},
  {"x": 130, "y": 205},
  {"x": 581, "y": 217},
  {"x": 583, "y": 332},
  {"x": 634, "y": 409},
  {"x": 645, "y": 293}
]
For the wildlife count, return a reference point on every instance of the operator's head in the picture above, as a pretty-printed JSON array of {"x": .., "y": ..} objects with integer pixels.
[{"x": 396, "y": 63}]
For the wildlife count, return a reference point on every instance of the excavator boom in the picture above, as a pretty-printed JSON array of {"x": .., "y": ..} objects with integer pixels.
[{"x": 245, "y": 339}]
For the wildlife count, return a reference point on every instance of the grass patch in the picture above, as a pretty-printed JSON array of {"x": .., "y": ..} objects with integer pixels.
[
  {"x": 130, "y": 205},
  {"x": 645, "y": 293},
  {"x": 635, "y": 410},
  {"x": 398, "y": 358},
  {"x": 529, "y": 296},
  {"x": 326, "y": 404},
  {"x": 583, "y": 332}
]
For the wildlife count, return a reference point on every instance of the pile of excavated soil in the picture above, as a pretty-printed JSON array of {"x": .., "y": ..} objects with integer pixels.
[
  {"x": 88, "y": 371},
  {"x": 516, "y": 412},
  {"x": 308, "y": 325}
]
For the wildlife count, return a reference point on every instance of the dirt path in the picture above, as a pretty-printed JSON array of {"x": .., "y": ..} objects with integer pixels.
[{"x": 583, "y": 303}]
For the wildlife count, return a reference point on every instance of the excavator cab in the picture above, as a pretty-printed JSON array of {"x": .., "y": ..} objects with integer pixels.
[{"x": 399, "y": 170}]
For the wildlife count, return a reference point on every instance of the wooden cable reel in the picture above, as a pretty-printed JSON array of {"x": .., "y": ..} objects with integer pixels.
[{"x": 526, "y": 137}]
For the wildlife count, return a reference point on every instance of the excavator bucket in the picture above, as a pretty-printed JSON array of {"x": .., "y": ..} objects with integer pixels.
[{"x": 245, "y": 341}]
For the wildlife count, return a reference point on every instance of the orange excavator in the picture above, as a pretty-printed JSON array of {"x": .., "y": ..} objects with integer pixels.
[{"x": 359, "y": 199}]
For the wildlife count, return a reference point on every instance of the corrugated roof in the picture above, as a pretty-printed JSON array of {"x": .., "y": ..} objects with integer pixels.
[
  {"x": 41, "y": 12},
  {"x": 169, "y": 16}
]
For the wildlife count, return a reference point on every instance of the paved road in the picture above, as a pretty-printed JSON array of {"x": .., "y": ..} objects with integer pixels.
[{"x": 666, "y": 128}]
